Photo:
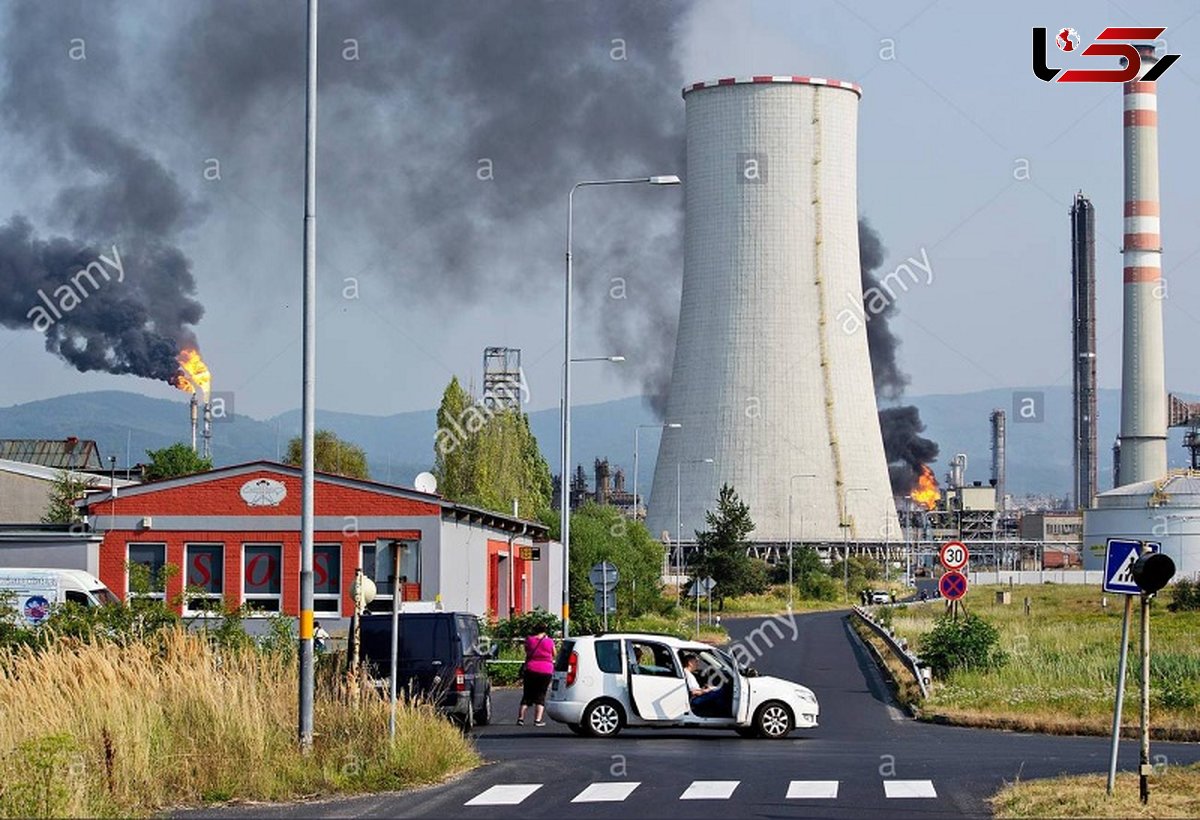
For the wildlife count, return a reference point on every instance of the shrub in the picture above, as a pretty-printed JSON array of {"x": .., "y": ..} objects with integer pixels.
[
  {"x": 519, "y": 627},
  {"x": 961, "y": 644},
  {"x": 817, "y": 586},
  {"x": 1185, "y": 596}
]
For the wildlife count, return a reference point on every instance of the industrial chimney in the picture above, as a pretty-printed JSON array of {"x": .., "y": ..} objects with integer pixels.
[
  {"x": 772, "y": 378},
  {"x": 1083, "y": 348},
  {"x": 999, "y": 454},
  {"x": 1143, "y": 381}
]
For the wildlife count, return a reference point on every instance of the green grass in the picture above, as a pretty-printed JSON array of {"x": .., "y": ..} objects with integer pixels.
[
  {"x": 774, "y": 602},
  {"x": 1061, "y": 672}
]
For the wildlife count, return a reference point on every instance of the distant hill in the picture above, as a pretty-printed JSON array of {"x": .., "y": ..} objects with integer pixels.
[{"x": 401, "y": 445}]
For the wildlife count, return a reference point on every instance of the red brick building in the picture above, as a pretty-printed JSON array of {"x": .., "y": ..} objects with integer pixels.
[{"x": 234, "y": 533}]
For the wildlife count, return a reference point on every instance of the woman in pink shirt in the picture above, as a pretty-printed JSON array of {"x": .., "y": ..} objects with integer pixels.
[{"x": 539, "y": 670}]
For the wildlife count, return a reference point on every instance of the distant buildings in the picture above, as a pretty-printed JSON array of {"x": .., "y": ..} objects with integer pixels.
[{"x": 607, "y": 489}]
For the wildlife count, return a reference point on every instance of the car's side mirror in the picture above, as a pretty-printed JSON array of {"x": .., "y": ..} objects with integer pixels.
[
  {"x": 748, "y": 671},
  {"x": 494, "y": 651}
]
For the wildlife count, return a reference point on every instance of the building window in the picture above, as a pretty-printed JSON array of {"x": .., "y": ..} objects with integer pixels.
[
  {"x": 205, "y": 578},
  {"x": 262, "y": 577},
  {"x": 378, "y": 565},
  {"x": 327, "y": 578},
  {"x": 145, "y": 570}
]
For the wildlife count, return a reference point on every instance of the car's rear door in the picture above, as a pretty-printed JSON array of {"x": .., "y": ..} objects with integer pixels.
[{"x": 657, "y": 691}]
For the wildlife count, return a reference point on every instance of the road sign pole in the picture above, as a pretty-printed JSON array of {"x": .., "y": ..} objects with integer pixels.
[
  {"x": 1119, "y": 701},
  {"x": 1144, "y": 757}
]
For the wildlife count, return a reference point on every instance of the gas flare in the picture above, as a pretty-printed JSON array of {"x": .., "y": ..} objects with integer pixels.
[
  {"x": 926, "y": 493},
  {"x": 193, "y": 373}
]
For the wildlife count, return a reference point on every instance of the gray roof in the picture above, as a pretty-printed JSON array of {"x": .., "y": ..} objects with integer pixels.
[
  {"x": 1180, "y": 488},
  {"x": 63, "y": 454}
]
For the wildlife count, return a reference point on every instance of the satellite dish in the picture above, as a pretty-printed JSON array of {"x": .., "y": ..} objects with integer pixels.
[{"x": 425, "y": 483}]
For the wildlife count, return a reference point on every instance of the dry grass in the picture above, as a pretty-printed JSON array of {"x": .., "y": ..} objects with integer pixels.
[
  {"x": 904, "y": 684},
  {"x": 91, "y": 729},
  {"x": 1174, "y": 792},
  {"x": 1061, "y": 672}
]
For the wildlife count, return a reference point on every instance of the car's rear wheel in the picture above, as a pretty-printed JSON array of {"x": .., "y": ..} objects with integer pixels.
[
  {"x": 603, "y": 718},
  {"x": 484, "y": 716},
  {"x": 773, "y": 720}
]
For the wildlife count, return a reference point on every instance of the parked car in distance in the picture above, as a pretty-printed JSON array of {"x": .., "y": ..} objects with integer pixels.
[
  {"x": 440, "y": 658},
  {"x": 31, "y": 593},
  {"x": 881, "y": 596},
  {"x": 603, "y": 683}
]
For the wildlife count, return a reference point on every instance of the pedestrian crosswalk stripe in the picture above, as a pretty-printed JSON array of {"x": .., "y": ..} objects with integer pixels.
[
  {"x": 909, "y": 788},
  {"x": 504, "y": 795},
  {"x": 812, "y": 789},
  {"x": 710, "y": 790},
  {"x": 605, "y": 793}
]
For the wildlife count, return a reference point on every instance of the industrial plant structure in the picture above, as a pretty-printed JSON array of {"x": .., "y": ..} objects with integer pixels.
[
  {"x": 1083, "y": 350},
  {"x": 772, "y": 378}
]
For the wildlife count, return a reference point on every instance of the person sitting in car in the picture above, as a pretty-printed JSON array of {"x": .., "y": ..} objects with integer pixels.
[{"x": 698, "y": 696}]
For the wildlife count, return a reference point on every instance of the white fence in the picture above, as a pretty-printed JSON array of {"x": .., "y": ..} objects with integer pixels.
[{"x": 1091, "y": 577}]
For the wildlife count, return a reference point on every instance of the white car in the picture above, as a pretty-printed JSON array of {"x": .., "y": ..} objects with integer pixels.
[
  {"x": 880, "y": 596},
  {"x": 603, "y": 683}
]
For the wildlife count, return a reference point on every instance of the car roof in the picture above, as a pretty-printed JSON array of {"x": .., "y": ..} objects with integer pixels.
[{"x": 678, "y": 643}]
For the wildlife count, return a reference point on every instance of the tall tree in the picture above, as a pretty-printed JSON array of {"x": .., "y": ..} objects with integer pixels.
[
  {"x": 66, "y": 489},
  {"x": 330, "y": 455},
  {"x": 178, "y": 459},
  {"x": 721, "y": 549},
  {"x": 453, "y": 442},
  {"x": 488, "y": 456}
]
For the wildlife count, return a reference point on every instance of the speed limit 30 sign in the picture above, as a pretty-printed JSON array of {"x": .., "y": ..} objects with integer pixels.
[{"x": 954, "y": 555}]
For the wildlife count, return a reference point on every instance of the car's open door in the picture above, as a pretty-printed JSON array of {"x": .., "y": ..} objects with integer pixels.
[
  {"x": 741, "y": 690},
  {"x": 656, "y": 687}
]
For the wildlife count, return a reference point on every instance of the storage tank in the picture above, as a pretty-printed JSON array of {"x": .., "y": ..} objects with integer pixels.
[
  {"x": 772, "y": 376},
  {"x": 1166, "y": 510}
]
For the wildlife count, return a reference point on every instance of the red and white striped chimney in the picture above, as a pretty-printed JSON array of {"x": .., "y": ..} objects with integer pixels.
[{"x": 1143, "y": 381}]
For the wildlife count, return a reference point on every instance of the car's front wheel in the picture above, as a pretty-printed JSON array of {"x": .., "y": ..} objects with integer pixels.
[
  {"x": 773, "y": 720},
  {"x": 603, "y": 718},
  {"x": 484, "y": 716}
]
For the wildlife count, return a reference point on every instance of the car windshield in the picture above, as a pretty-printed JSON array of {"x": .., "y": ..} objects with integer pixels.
[{"x": 105, "y": 597}]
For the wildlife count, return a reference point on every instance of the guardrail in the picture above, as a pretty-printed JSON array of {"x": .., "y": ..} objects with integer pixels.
[{"x": 899, "y": 648}]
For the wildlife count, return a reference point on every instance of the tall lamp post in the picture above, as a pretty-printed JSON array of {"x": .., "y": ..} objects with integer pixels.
[
  {"x": 846, "y": 539},
  {"x": 789, "y": 530},
  {"x": 671, "y": 425},
  {"x": 565, "y": 432},
  {"x": 679, "y": 523}
]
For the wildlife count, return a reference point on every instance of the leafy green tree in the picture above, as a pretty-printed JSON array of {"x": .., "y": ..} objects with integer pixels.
[
  {"x": 452, "y": 457},
  {"x": 488, "y": 457},
  {"x": 721, "y": 550},
  {"x": 176, "y": 460},
  {"x": 65, "y": 490},
  {"x": 330, "y": 455}
]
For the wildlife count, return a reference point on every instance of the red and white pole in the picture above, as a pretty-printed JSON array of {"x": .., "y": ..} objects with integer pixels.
[{"x": 1143, "y": 381}]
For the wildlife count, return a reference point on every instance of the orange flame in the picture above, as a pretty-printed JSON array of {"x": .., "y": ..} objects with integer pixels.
[
  {"x": 193, "y": 373},
  {"x": 926, "y": 493}
]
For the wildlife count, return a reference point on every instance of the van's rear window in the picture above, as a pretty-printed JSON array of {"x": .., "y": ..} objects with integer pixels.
[{"x": 564, "y": 655}]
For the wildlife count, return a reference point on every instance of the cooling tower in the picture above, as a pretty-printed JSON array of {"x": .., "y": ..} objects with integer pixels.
[
  {"x": 1143, "y": 379},
  {"x": 772, "y": 377}
]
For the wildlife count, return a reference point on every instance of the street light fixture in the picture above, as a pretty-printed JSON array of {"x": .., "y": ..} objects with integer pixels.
[
  {"x": 615, "y": 359},
  {"x": 565, "y": 432},
  {"x": 789, "y": 531},
  {"x": 671, "y": 425},
  {"x": 679, "y": 524},
  {"x": 846, "y": 538}
]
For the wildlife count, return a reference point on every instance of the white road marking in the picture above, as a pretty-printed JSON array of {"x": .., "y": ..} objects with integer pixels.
[
  {"x": 504, "y": 795},
  {"x": 812, "y": 789},
  {"x": 710, "y": 790},
  {"x": 909, "y": 788},
  {"x": 605, "y": 793}
]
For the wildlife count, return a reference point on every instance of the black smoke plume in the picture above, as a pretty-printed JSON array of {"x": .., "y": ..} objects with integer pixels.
[
  {"x": 117, "y": 295},
  {"x": 903, "y": 445}
]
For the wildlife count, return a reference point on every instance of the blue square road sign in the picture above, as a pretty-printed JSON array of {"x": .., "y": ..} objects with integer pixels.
[{"x": 1118, "y": 565}]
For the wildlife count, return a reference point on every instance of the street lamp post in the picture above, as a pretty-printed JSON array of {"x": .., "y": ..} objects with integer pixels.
[
  {"x": 789, "y": 531},
  {"x": 565, "y": 432},
  {"x": 679, "y": 524},
  {"x": 846, "y": 539},
  {"x": 671, "y": 425}
]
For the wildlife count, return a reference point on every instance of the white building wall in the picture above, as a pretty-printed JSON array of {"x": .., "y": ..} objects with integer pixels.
[{"x": 772, "y": 376}]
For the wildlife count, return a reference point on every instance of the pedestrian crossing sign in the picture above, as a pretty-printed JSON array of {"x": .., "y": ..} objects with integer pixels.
[{"x": 1118, "y": 566}]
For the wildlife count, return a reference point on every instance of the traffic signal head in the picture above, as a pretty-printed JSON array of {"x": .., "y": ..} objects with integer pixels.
[{"x": 1152, "y": 571}]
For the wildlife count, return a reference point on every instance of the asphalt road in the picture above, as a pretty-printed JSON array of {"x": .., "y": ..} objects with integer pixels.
[{"x": 866, "y": 756}]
